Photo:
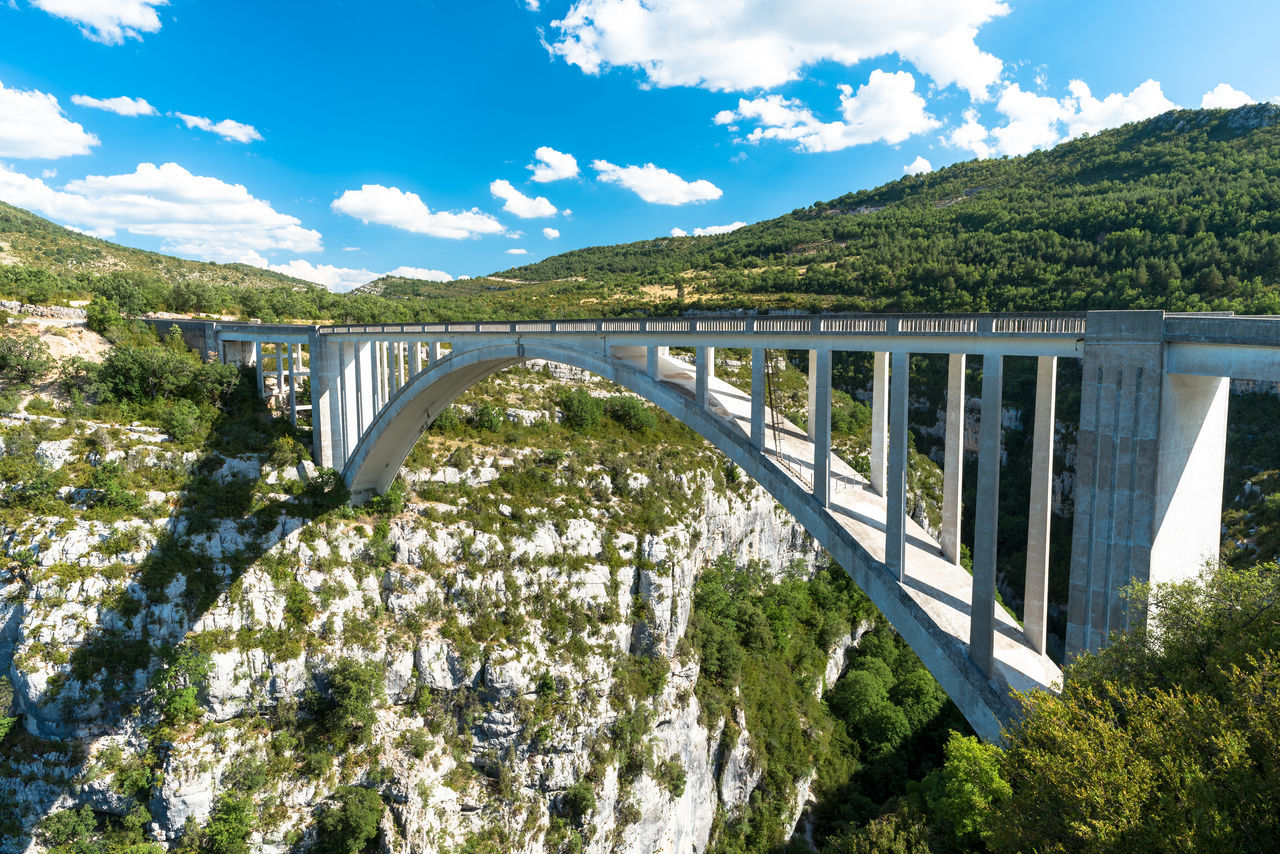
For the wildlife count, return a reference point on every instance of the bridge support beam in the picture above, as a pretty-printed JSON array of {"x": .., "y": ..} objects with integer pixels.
[
  {"x": 983, "y": 601},
  {"x": 1149, "y": 471},
  {"x": 350, "y": 396},
  {"x": 953, "y": 460},
  {"x": 879, "y": 421},
  {"x": 1040, "y": 511},
  {"x": 811, "y": 411},
  {"x": 895, "y": 537},
  {"x": 364, "y": 383},
  {"x": 758, "y": 369},
  {"x": 820, "y": 425},
  {"x": 257, "y": 363},
  {"x": 326, "y": 404},
  {"x": 704, "y": 370}
]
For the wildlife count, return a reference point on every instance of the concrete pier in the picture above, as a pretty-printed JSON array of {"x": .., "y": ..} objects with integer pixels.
[
  {"x": 953, "y": 459},
  {"x": 895, "y": 543},
  {"x": 820, "y": 430},
  {"x": 987, "y": 506},
  {"x": 758, "y": 367},
  {"x": 879, "y": 421},
  {"x": 1040, "y": 510}
]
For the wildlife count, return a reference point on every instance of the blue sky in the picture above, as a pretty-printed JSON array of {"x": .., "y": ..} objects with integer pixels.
[{"x": 338, "y": 141}]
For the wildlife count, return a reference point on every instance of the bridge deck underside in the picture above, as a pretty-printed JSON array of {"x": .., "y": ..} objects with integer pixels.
[{"x": 942, "y": 589}]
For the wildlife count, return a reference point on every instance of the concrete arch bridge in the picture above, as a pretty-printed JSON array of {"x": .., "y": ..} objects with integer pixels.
[{"x": 1149, "y": 463}]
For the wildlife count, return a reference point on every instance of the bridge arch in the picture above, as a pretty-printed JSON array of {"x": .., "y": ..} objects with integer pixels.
[{"x": 380, "y": 452}]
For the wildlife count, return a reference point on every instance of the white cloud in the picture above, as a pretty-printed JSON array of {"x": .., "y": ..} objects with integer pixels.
[
  {"x": 32, "y": 125},
  {"x": 552, "y": 165},
  {"x": 533, "y": 5},
  {"x": 392, "y": 206},
  {"x": 679, "y": 232},
  {"x": 1224, "y": 96},
  {"x": 1092, "y": 115},
  {"x": 551, "y": 233},
  {"x": 919, "y": 166},
  {"x": 655, "y": 185},
  {"x": 516, "y": 202},
  {"x": 717, "y": 229},
  {"x": 342, "y": 279},
  {"x": 886, "y": 108},
  {"x": 196, "y": 216},
  {"x": 227, "y": 129},
  {"x": 1040, "y": 121},
  {"x": 107, "y": 21},
  {"x": 334, "y": 278},
  {"x": 517, "y": 251},
  {"x": 48, "y": 174},
  {"x": 422, "y": 273},
  {"x": 121, "y": 106},
  {"x": 762, "y": 44}
]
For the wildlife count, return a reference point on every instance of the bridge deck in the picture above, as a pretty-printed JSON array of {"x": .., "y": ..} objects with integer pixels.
[{"x": 941, "y": 588}]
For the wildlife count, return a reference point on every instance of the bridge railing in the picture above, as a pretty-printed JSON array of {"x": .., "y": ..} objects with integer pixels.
[{"x": 1056, "y": 325}]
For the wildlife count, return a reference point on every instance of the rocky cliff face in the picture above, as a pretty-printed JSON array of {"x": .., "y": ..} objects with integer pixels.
[{"x": 523, "y": 614}]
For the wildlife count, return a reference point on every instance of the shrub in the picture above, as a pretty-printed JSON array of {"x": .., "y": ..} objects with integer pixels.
[
  {"x": 581, "y": 411},
  {"x": 578, "y": 801},
  {"x": 23, "y": 359},
  {"x": 350, "y": 825},
  {"x": 185, "y": 422},
  {"x": 229, "y": 825},
  {"x": 354, "y": 690},
  {"x": 631, "y": 413}
]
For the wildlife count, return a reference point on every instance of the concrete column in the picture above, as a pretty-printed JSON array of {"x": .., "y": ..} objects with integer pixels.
[
  {"x": 397, "y": 367},
  {"x": 983, "y": 601},
  {"x": 1040, "y": 511},
  {"x": 365, "y": 375},
  {"x": 879, "y": 422},
  {"x": 295, "y": 354},
  {"x": 953, "y": 460},
  {"x": 1149, "y": 469},
  {"x": 433, "y": 352},
  {"x": 651, "y": 362},
  {"x": 257, "y": 361},
  {"x": 379, "y": 375},
  {"x": 416, "y": 365},
  {"x": 704, "y": 370},
  {"x": 811, "y": 412},
  {"x": 895, "y": 542},
  {"x": 326, "y": 406},
  {"x": 758, "y": 368},
  {"x": 350, "y": 395},
  {"x": 820, "y": 380},
  {"x": 280, "y": 348}
]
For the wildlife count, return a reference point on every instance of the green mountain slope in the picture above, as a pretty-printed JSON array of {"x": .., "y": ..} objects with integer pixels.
[
  {"x": 1181, "y": 212},
  {"x": 30, "y": 241}
]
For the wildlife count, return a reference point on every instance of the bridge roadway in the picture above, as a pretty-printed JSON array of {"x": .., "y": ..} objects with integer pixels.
[{"x": 1149, "y": 450}]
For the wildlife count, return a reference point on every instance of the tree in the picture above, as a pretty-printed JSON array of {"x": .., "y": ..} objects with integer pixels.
[
  {"x": 352, "y": 824},
  {"x": 24, "y": 358}
]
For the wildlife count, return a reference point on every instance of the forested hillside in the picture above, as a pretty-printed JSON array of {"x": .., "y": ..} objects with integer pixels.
[{"x": 1179, "y": 212}]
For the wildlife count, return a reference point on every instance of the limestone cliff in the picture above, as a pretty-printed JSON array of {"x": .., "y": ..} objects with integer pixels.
[{"x": 523, "y": 612}]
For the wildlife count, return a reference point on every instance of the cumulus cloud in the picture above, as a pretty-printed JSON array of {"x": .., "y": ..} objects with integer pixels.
[
  {"x": 1039, "y": 121},
  {"x": 32, "y": 125},
  {"x": 422, "y": 273},
  {"x": 763, "y": 44},
  {"x": 656, "y": 186},
  {"x": 706, "y": 231},
  {"x": 334, "y": 278},
  {"x": 196, "y": 216},
  {"x": 374, "y": 203},
  {"x": 517, "y": 251},
  {"x": 107, "y": 21},
  {"x": 551, "y": 233},
  {"x": 679, "y": 232},
  {"x": 919, "y": 166},
  {"x": 346, "y": 278},
  {"x": 884, "y": 109},
  {"x": 227, "y": 129},
  {"x": 552, "y": 165},
  {"x": 516, "y": 202},
  {"x": 1224, "y": 96},
  {"x": 121, "y": 106}
]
